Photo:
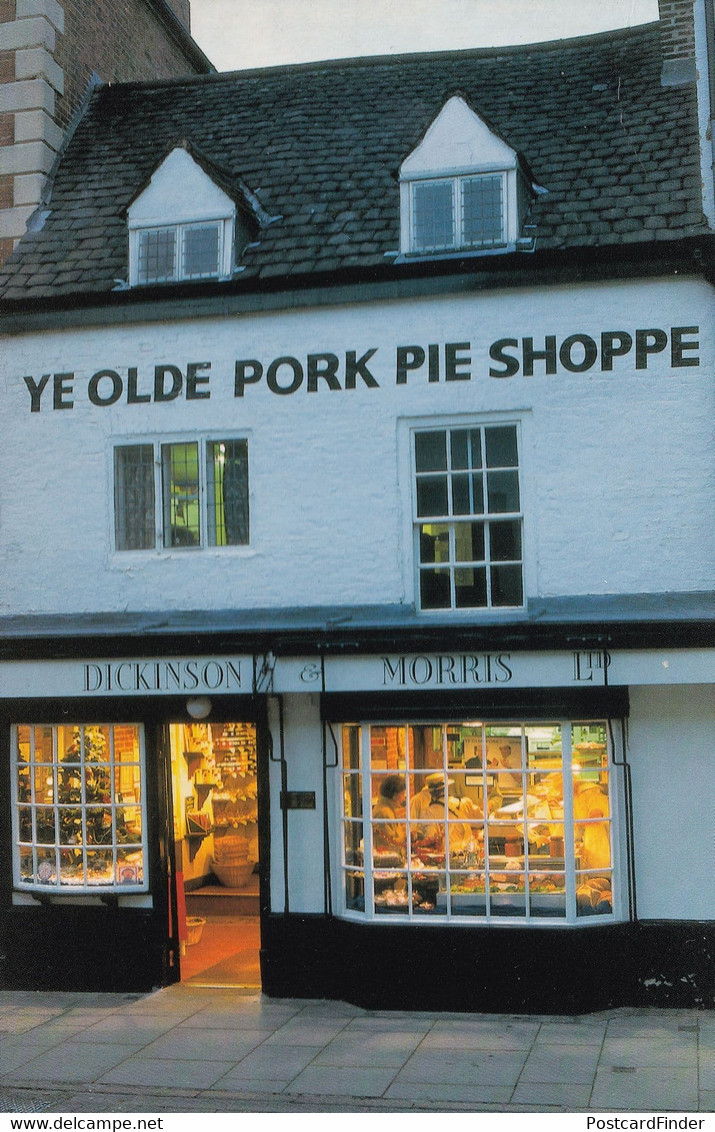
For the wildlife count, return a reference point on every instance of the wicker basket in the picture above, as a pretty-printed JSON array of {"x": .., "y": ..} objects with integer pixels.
[
  {"x": 232, "y": 876},
  {"x": 194, "y": 927}
]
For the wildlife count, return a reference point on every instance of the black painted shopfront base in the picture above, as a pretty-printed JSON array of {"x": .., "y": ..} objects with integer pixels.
[
  {"x": 495, "y": 970},
  {"x": 82, "y": 948}
]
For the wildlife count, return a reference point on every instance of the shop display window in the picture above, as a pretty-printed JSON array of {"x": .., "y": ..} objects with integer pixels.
[
  {"x": 478, "y": 820},
  {"x": 79, "y": 807},
  {"x": 468, "y": 518}
]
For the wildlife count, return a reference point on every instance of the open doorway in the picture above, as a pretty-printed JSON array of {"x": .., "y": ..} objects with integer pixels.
[{"x": 215, "y": 812}]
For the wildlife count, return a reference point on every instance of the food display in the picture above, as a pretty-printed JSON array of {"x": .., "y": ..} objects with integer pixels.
[{"x": 217, "y": 780}]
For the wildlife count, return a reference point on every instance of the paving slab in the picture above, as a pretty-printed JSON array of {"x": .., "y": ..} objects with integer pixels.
[
  {"x": 154, "y": 1072},
  {"x": 464, "y": 1067},
  {"x": 350, "y": 1082},
  {"x": 262, "y": 1070},
  {"x": 645, "y": 1090},
  {"x": 192, "y": 1044},
  {"x": 69, "y": 1062},
  {"x": 561, "y": 1064},
  {"x": 559, "y": 1095}
]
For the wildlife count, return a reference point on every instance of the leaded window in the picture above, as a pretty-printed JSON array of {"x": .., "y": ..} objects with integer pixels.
[
  {"x": 201, "y": 488},
  {"x": 180, "y": 251},
  {"x": 458, "y": 212}
]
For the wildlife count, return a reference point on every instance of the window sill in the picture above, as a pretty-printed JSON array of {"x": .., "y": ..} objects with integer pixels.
[
  {"x": 456, "y": 253},
  {"x": 27, "y": 899},
  {"x": 395, "y": 919},
  {"x": 121, "y": 558}
]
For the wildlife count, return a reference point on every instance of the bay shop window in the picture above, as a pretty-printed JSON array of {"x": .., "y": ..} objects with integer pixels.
[
  {"x": 475, "y": 821},
  {"x": 79, "y": 812}
]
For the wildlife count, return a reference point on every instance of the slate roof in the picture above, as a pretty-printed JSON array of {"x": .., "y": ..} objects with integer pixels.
[{"x": 321, "y": 146}]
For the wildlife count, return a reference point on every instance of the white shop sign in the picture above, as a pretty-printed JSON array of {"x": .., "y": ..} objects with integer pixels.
[{"x": 242, "y": 675}]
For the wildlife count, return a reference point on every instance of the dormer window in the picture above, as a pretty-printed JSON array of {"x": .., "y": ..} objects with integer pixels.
[
  {"x": 183, "y": 224},
  {"x": 182, "y": 251},
  {"x": 458, "y": 212},
  {"x": 462, "y": 188}
]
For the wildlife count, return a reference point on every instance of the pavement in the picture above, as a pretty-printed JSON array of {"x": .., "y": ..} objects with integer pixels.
[{"x": 194, "y": 1049}]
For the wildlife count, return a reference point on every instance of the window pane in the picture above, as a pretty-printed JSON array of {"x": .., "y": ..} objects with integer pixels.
[
  {"x": 432, "y": 495},
  {"x": 433, "y": 216},
  {"x": 467, "y": 495},
  {"x": 134, "y": 504},
  {"x": 200, "y": 252},
  {"x": 501, "y": 447},
  {"x": 470, "y": 587},
  {"x": 157, "y": 255},
  {"x": 352, "y": 795},
  {"x": 227, "y": 478},
  {"x": 180, "y": 488},
  {"x": 469, "y": 542},
  {"x": 435, "y": 590},
  {"x": 351, "y": 747},
  {"x": 505, "y": 541},
  {"x": 434, "y": 543},
  {"x": 387, "y": 748},
  {"x": 507, "y": 586},
  {"x": 431, "y": 451},
  {"x": 466, "y": 448},
  {"x": 482, "y": 214},
  {"x": 503, "y": 491}
]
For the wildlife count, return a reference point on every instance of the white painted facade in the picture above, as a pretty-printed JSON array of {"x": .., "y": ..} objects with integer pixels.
[{"x": 616, "y": 475}]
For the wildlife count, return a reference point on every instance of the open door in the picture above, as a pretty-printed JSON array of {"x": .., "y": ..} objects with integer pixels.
[{"x": 214, "y": 805}]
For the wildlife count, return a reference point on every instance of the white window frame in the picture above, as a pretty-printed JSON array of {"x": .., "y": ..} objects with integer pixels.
[
  {"x": 456, "y": 425},
  {"x": 158, "y": 443},
  {"x": 224, "y": 267},
  {"x": 457, "y": 182},
  {"x": 56, "y": 888},
  {"x": 569, "y": 921}
]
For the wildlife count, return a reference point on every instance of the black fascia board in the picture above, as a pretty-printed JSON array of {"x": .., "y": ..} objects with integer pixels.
[
  {"x": 688, "y": 256},
  {"x": 352, "y": 641}
]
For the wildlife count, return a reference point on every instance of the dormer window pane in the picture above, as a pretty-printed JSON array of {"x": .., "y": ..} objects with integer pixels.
[
  {"x": 433, "y": 216},
  {"x": 482, "y": 211},
  {"x": 200, "y": 252},
  {"x": 157, "y": 255}
]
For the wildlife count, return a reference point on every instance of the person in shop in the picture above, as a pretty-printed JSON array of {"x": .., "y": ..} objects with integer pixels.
[
  {"x": 507, "y": 760},
  {"x": 389, "y": 834},
  {"x": 427, "y": 811}
]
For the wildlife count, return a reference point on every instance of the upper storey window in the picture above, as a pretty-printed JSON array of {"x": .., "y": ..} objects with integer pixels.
[
  {"x": 183, "y": 225},
  {"x": 462, "y": 188},
  {"x": 182, "y": 251},
  {"x": 461, "y": 212}
]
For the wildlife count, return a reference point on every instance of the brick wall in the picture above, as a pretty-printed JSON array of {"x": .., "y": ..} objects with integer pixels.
[
  {"x": 48, "y": 52},
  {"x": 182, "y": 9},
  {"x": 122, "y": 41},
  {"x": 678, "y": 35}
]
